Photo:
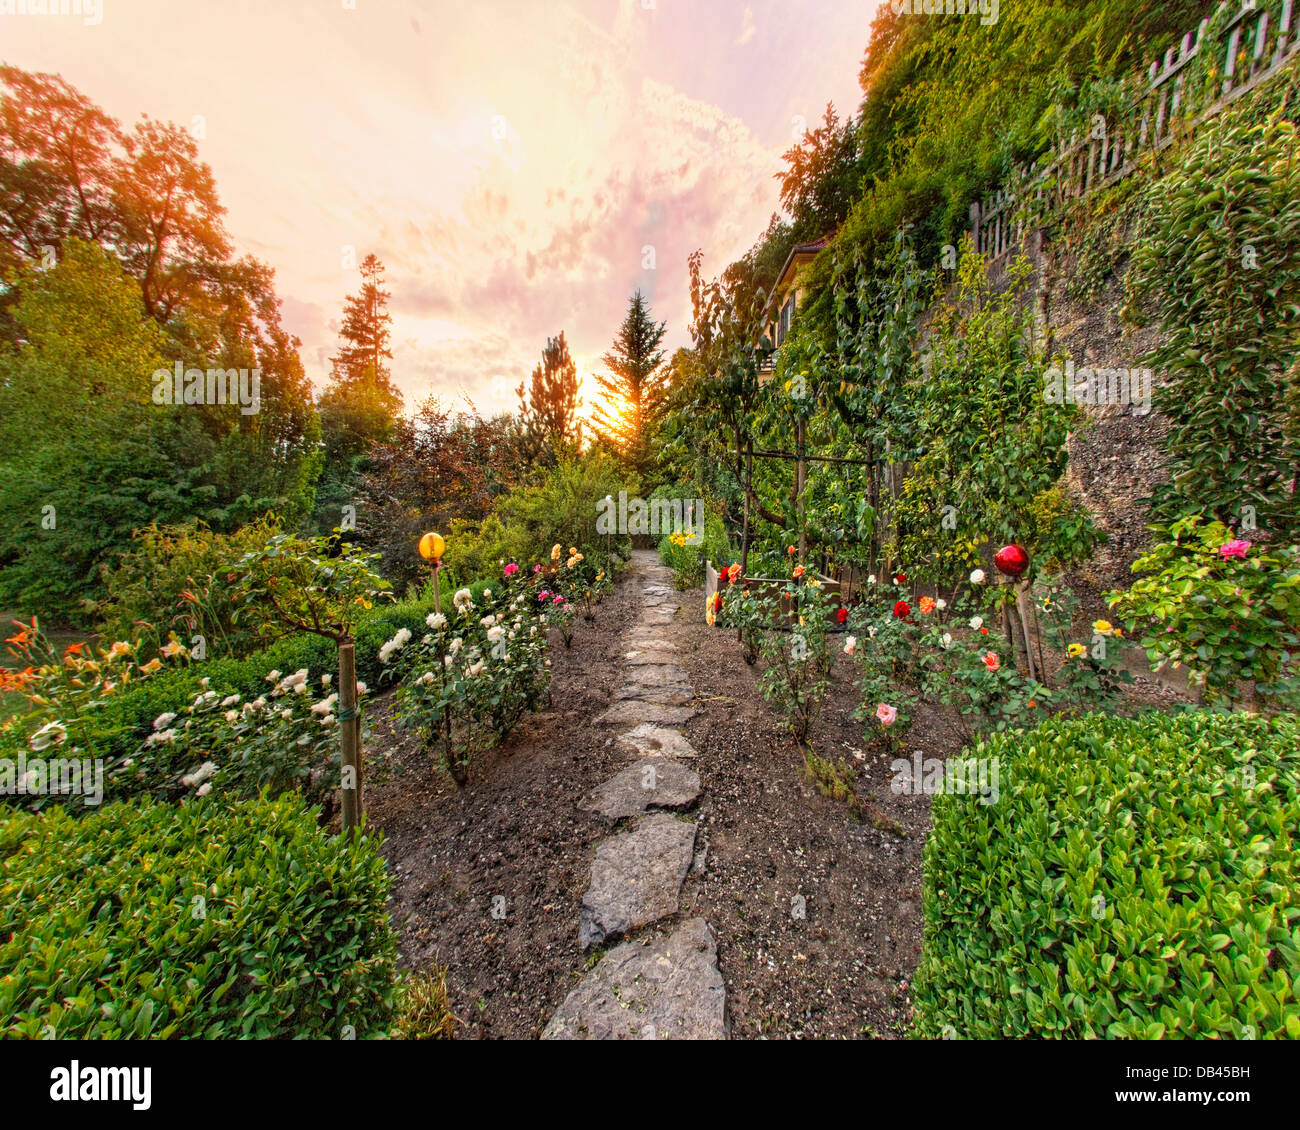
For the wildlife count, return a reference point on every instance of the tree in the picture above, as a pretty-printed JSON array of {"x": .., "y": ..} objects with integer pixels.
[
  {"x": 360, "y": 408},
  {"x": 69, "y": 173},
  {"x": 550, "y": 409},
  {"x": 637, "y": 389},
  {"x": 820, "y": 181},
  {"x": 85, "y": 457}
]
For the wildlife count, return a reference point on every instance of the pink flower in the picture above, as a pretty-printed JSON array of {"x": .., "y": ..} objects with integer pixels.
[
  {"x": 558, "y": 599},
  {"x": 1236, "y": 548},
  {"x": 991, "y": 661},
  {"x": 886, "y": 714},
  {"x": 543, "y": 595},
  {"x": 537, "y": 568},
  {"x": 511, "y": 569}
]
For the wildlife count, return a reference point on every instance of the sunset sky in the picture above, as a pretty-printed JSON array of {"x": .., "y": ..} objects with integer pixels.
[{"x": 508, "y": 160}]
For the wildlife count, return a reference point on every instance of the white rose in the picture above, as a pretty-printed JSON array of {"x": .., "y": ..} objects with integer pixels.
[
  {"x": 436, "y": 620},
  {"x": 977, "y": 622},
  {"x": 850, "y": 645},
  {"x": 163, "y": 721},
  {"x": 977, "y": 577}
]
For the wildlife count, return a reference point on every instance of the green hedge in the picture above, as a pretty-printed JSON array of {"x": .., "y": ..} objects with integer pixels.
[
  {"x": 106, "y": 939},
  {"x": 1129, "y": 883}
]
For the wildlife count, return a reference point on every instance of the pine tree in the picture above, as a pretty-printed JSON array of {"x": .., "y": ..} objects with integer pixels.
[
  {"x": 549, "y": 408},
  {"x": 637, "y": 389},
  {"x": 361, "y": 404}
]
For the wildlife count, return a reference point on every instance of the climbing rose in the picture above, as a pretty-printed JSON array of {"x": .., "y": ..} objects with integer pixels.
[
  {"x": 886, "y": 714},
  {"x": 1236, "y": 548},
  {"x": 991, "y": 661},
  {"x": 902, "y": 609}
]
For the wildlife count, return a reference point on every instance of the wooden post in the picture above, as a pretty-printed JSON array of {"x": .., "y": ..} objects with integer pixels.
[
  {"x": 744, "y": 528},
  {"x": 349, "y": 734},
  {"x": 801, "y": 464}
]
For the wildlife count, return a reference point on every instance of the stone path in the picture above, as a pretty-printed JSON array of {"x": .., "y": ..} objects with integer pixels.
[{"x": 666, "y": 985}]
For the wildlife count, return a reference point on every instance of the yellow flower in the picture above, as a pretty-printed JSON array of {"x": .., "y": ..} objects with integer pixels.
[
  {"x": 118, "y": 650},
  {"x": 1102, "y": 627},
  {"x": 171, "y": 649},
  {"x": 555, "y": 551},
  {"x": 155, "y": 664},
  {"x": 1075, "y": 650}
]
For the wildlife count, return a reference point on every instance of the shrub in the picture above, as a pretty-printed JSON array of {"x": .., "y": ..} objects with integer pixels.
[
  {"x": 685, "y": 555},
  {"x": 173, "y": 579},
  {"x": 1136, "y": 878},
  {"x": 198, "y": 921},
  {"x": 284, "y": 738},
  {"x": 475, "y": 669},
  {"x": 564, "y": 507},
  {"x": 1226, "y": 608}
]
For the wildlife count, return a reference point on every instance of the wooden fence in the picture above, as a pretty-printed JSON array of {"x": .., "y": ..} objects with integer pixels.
[{"x": 1231, "y": 53}]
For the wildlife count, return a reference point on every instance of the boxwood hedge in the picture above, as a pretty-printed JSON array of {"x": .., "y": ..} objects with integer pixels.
[
  {"x": 198, "y": 920},
  {"x": 1137, "y": 878}
]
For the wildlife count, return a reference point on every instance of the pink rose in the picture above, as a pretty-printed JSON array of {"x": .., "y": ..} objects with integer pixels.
[
  {"x": 1236, "y": 548},
  {"x": 886, "y": 714},
  {"x": 511, "y": 569},
  {"x": 558, "y": 599}
]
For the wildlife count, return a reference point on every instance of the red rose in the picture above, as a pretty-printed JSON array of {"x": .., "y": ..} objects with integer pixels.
[
  {"x": 900, "y": 579},
  {"x": 842, "y": 614},
  {"x": 902, "y": 610}
]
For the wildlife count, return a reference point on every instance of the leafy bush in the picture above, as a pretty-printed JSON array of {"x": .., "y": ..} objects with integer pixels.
[
  {"x": 685, "y": 555},
  {"x": 199, "y": 921},
  {"x": 564, "y": 508},
  {"x": 1136, "y": 878},
  {"x": 1216, "y": 270},
  {"x": 1228, "y": 609},
  {"x": 173, "y": 579}
]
